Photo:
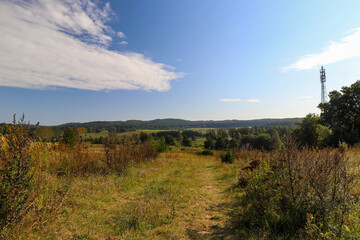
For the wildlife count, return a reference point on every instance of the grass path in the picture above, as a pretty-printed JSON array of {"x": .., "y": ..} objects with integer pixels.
[
  {"x": 178, "y": 196},
  {"x": 212, "y": 204}
]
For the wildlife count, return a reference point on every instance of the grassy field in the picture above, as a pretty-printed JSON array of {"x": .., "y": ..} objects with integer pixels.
[
  {"x": 137, "y": 132},
  {"x": 177, "y": 196},
  {"x": 129, "y": 190}
]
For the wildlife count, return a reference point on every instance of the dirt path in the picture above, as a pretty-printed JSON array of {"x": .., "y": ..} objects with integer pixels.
[
  {"x": 211, "y": 205},
  {"x": 178, "y": 196}
]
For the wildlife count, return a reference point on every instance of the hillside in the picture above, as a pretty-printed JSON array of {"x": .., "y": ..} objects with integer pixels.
[{"x": 171, "y": 123}]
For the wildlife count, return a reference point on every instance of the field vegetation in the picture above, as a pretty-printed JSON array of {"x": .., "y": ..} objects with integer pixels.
[{"x": 275, "y": 182}]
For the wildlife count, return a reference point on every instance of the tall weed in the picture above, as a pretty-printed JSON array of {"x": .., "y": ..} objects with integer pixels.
[
  {"x": 290, "y": 191},
  {"x": 17, "y": 169}
]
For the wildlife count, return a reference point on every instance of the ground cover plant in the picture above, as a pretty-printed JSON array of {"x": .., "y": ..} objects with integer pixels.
[
  {"x": 237, "y": 183},
  {"x": 298, "y": 193}
]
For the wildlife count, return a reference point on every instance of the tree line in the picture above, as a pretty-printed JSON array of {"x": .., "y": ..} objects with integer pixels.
[{"x": 339, "y": 121}]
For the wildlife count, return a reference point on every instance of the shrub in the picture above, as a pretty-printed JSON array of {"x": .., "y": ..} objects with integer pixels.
[
  {"x": 206, "y": 152},
  {"x": 16, "y": 171},
  {"x": 295, "y": 191},
  {"x": 119, "y": 154},
  {"x": 227, "y": 157},
  {"x": 70, "y": 137},
  {"x": 209, "y": 143},
  {"x": 186, "y": 142}
]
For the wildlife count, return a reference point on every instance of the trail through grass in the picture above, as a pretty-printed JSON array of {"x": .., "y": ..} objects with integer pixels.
[{"x": 177, "y": 196}]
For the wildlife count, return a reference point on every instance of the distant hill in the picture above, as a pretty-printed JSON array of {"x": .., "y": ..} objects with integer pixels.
[{"x": 170, "y": 123}]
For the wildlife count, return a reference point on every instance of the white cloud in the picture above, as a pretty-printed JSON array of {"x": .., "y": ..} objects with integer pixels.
[
  {"x": 123, "y": 43},
  {"x": 253, "y": 100},
  {"x": 121, "y": 35},
  {"x": 230, "y": 100},
  {"x": 346, "y": 48},
  {"x": 49, "y": 43}
]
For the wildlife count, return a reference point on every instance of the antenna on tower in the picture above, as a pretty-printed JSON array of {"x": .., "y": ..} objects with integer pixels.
[{"x": 323, "y": 80}]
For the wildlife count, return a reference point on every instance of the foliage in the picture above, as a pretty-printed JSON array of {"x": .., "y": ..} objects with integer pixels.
[
  {"x": 342, "y": 114},
  {"x": 165, "y": 124},
  {"x": 227, "y": 157},
  {"x": 144, "y": 137},
  {"x": 69, "y": 137},
  {"x": 209, "y": 143},
  {"x": 160, "y": 145},
  {"x": 186, "y": 142},
  {"x": 16, "y": 171},
  {"x": 309, "y": 132},
  {"x": 206, "y": 152},
  {"x": 284, "y": 190},
  {"x": 262, "y": 138},
  {"x": 120, "y": 153}
]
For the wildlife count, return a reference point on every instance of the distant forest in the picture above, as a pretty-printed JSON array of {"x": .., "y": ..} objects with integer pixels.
[
  {"x": 170, "y": 123},
  {"x": 166, "y": 124}
]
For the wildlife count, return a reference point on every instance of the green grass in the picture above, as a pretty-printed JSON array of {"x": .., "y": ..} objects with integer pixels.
[{"x": 174, "y": 197}]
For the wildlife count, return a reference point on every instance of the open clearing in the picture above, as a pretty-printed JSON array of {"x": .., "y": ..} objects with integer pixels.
[{"x": 176, "y": 196}]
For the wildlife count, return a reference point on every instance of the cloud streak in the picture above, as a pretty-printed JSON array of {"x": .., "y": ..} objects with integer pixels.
[
  {"x": 121, "y": 35},
  {"x": 253, "y": 100},
  {"x": 346, "y": 48},
  {"x": 47, "y": 44}
]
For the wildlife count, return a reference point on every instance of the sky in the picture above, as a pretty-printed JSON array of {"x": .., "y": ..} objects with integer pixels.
[{"x": 94, "y": 60}]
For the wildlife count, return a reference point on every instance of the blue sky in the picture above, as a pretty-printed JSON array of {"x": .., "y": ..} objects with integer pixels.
[{"x": 82, "y": 60}]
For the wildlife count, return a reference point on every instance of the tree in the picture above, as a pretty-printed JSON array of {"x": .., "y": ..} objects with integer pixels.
[
  {"x": 144, "y": 137},
  {"x": 276, "y": 141},
  {"x": 222, "y": 133},
  {"x": 342, "y": 114},
  {"x": 186, "y": 142},
  {"x": 209, "y": 143},
  {"x": 221, "y": 143},
  {"x": 70, "y": 137},
  {"x": 309, "y": 132},
  {"x": 262, "y": 141}
]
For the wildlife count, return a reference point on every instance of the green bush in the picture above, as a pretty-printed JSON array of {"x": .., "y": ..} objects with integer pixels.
[
  {"x": 206, "y": 152},
  {"x": 227, "y": 157},
  {"x": 296, "y": 191},
  {"x": 16, "y": 171}
]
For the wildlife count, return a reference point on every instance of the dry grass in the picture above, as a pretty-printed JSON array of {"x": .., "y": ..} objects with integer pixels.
[{"x": 176, "y": 196}]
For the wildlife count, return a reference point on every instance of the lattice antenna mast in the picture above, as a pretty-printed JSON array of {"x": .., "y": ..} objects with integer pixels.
[{"x": 323, "y": 80}]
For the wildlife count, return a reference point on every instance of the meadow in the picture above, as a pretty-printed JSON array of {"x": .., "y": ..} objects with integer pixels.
[{"x": 134, "y": 188}]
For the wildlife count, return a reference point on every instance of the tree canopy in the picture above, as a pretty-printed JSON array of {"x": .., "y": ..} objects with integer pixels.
[{"x": 342, "y": 114}]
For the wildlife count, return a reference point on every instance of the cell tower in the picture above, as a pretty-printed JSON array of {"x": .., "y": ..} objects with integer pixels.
[{"x": 323, "y": 80}]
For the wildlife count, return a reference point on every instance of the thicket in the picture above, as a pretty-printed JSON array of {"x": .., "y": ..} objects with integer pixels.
[
  {"x": 35, "y": 176},
  {"x": 227, "y": 157},
  {"x": 16, "y": 171},
  {"x": 296, "y": 193},
  {"x": 261, "y": 138},
  {"x": 338, "y": 122}
]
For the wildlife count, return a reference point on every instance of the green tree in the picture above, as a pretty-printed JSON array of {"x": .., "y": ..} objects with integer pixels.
[
  {"x": 221, "y": 143},
  {"x": 342, "y": 114},
  {"x": 209, "y": 143},
  {"x": 276, "y": 145},
  {"x": 186, "y": 142},
  {"x": 309, "y": 132},
  {"x": 144, "y": 137},
  {"x": 70, "y": 137}
]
